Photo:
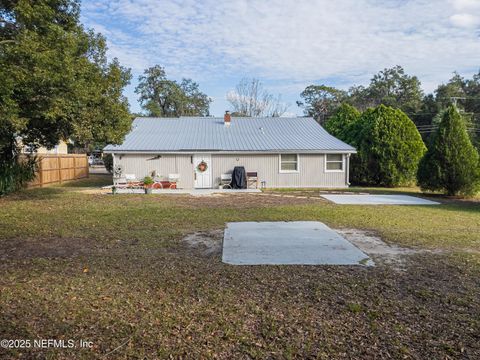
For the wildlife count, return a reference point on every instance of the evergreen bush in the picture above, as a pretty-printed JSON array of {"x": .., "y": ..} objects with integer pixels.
[
  {"x": 451, "y": 164},
  {"x": 389, "y": 148}
]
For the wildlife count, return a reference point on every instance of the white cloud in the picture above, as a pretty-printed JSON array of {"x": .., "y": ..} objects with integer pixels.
[
  {"x": 294, "y": 41},
  {"x": 468, "y": 15},
  {"x": 463, "y": 5},
  {"x": 465, "y": 20}
]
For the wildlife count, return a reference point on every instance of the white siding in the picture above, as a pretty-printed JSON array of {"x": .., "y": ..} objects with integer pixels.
[
  {"x": 144, "y": 165},
  {"x": 311, "y": 169}
]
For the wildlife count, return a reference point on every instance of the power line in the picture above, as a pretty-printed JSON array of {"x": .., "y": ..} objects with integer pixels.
[
  {"x": 460, "y": 97},
  {"x": 431, "y": 131}
]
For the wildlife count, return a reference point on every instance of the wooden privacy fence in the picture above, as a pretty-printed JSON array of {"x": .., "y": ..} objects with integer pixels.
[{"x": 54, "y": 169}]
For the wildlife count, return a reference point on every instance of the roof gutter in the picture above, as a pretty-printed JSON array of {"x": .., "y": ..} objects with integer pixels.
[{"x": 188, "y": 152}]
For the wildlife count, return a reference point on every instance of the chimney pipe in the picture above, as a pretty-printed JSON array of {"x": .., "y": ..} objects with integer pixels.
[{"x": 227, "y": 118}]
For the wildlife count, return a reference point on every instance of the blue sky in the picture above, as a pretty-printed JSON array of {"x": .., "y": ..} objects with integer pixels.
[{"x": 288, "y": 44}]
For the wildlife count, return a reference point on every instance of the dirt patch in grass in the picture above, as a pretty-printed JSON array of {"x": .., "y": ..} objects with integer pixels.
[
  {"x": 206, "y": 242},
  {"x": 95, "y": 191},
  {"x": 381, "y": 252}
]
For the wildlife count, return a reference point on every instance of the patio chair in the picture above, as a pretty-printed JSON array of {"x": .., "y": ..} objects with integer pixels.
[
  {"x": 132, "y": 182},
  {"x": 119, "y": 182},
  {"x": 252, "y": 179},
  {"x": 225, "y": 181},
  {"x": 123, "y": 181},
  {"x": 158, "y": 182},
  {"x": 173, "y": 179}
]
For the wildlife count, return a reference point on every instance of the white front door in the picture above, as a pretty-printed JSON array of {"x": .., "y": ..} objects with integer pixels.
[{"x": 202, "y": 166}]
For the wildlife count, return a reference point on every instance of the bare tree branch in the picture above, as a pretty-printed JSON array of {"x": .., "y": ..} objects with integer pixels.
[{"x": 251, "y": 99}]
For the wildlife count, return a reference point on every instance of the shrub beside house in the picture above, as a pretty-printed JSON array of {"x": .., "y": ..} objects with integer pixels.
[{"x": 389, "y": 146}]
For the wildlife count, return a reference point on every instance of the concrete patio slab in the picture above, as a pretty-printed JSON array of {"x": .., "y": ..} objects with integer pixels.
[
  {"x": 193, "y": 192},
  {"x": 288, "y": 243},
  {"x": 354, "y": 199}
]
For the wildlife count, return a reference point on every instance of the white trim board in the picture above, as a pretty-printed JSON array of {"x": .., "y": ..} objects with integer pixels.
[
  {"x": 280, "y": 171},
  {"x": 334, "y": 171}
]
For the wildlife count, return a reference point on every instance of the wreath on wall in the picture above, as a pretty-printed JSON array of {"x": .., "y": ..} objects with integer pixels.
[{"x": 202, "y": 167}]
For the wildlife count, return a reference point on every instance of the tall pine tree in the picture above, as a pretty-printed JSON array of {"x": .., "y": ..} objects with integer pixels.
[{"x": 451, "y": 164}]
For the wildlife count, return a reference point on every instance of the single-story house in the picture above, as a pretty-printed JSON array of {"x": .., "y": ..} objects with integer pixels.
[
  {"x": 284, "y": 152},
  {"x": 60, "y": 149}
]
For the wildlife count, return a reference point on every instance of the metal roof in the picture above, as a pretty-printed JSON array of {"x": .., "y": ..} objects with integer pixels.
[{"x": 208, "y": 134}]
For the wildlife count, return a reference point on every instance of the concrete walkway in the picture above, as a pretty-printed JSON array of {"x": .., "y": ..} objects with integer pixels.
[
  {"x": 378, "y": 200},
  {"x": 288, "y": 243}
]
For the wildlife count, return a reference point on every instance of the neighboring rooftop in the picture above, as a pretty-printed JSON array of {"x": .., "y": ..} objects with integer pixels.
[{"x": 244, "y": 134}]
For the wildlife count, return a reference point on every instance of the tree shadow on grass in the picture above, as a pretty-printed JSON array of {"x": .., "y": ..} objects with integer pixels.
[
  {"x": 34, "y": 194},
  {"x": 93, "y": 181},
  {"x": 470, "y": 206}
]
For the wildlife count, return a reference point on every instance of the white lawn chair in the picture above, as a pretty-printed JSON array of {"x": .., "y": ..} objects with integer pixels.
[
  {"x": 173, "y": 179},
  {"x": 132, "y": 182},
  {"x": 158, "y": 182},
  {"x": 225, "y": 181},
  {"x": 130, "y": 177}
]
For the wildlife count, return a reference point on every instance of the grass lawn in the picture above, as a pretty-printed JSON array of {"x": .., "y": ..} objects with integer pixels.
[{"x": 114, "y": 270}]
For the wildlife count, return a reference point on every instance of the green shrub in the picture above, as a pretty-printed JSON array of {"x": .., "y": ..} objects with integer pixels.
[
  {"x": 147, "y": 181},
  {"x": 451, "y": 164},
  {"x": 340, "y": 123},
  {"x": 389, "y": 148},
  {"x": 108, "y": 162},
  {"x": 15, "y": 173},
  {"x": 16, "y": 170}
]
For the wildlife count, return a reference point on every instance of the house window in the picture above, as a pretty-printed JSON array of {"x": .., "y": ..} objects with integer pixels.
[
  {"x": 334, "y": 162},
  {"x": 288, "y": 162}
]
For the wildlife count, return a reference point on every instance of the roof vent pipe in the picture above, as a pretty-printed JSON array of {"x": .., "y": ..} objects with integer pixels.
[{"x": 226, "y": 118}]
